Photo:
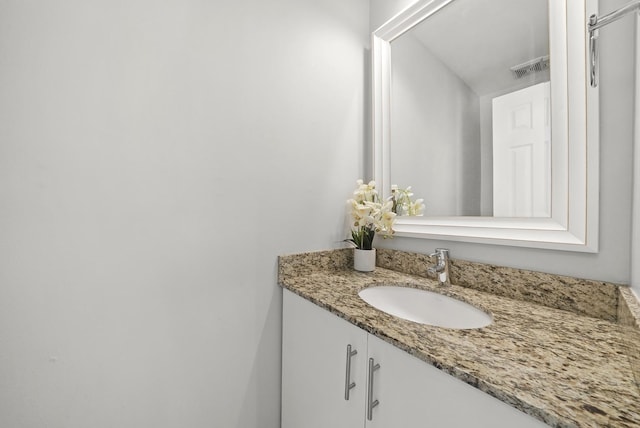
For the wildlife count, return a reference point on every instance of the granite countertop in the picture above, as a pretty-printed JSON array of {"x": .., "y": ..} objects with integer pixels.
[{"x": 561, "y": 366}]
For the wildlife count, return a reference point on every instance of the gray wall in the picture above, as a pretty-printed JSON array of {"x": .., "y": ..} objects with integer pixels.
[
  {"x": 155, "y": 158},
  {"x": 612, "y": 262},
  {"x": 635, "y": 249}
]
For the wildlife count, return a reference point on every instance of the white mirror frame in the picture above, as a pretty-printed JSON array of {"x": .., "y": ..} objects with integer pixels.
[{"x": 573, "y": 225}]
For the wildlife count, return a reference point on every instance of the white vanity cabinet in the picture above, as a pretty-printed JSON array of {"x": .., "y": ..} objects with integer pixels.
[
  {"x": 314, "y": 367},
  {"x": 408, "y": 391}
]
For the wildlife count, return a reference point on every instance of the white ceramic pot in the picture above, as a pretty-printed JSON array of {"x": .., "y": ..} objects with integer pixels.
[{"x": 364, "y": 260}]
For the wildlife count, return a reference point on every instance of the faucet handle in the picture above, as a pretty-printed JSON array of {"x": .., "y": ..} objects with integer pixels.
[
  {"x": 440, "y": 252},
  {"x": 441, "y": 268}
]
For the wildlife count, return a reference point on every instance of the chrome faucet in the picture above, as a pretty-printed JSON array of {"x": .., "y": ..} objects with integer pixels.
[{"x": 441, "y": 268}]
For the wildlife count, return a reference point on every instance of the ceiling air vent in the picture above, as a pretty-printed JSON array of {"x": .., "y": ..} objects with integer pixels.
[{"x": 530, "y": 67}]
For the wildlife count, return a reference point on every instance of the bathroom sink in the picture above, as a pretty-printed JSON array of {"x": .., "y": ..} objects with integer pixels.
[{"x": 425, "y": 307}]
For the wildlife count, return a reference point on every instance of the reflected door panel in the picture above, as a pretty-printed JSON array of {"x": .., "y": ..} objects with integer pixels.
[{"x": 522, "y": 153}]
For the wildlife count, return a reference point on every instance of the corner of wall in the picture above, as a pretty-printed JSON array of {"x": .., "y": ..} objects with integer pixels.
[{"x": 635, "y": 226}]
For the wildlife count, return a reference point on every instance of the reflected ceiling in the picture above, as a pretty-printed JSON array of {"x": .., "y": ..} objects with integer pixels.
[{"x": 475, "y": 47}]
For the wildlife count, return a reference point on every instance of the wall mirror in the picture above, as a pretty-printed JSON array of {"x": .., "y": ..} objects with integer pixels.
[{"x": 484, "y": 108}]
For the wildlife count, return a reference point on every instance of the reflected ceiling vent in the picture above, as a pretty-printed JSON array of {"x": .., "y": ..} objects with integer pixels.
[{"x": 530, "y": 67}]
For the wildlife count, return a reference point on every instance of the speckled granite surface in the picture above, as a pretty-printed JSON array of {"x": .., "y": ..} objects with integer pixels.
[
  {"x": 593, "y": 298},
  {"x": 560, "y": 366},
  {"x": 629, "y": 320}
]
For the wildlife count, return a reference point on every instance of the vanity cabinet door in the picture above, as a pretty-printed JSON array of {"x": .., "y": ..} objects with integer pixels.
[
  {"x": 314, "y": 367},
  {"x": 412, "y": 393}
]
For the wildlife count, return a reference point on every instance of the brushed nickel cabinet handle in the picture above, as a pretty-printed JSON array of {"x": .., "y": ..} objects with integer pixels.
[
  {"x": 348, "y": 385},
  {"x": 371, "y": 403}
]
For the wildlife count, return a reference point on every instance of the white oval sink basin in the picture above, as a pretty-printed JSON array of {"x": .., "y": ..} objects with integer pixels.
[{"x": 425, "y": 307}]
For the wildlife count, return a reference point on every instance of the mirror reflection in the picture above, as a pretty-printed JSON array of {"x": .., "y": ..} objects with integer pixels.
[{"x": 470, "y": 109}]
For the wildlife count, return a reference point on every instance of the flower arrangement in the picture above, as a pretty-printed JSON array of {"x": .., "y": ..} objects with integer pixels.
[
  {"x": 370, "y": 215},
  {"x": 402, "y": 203}
]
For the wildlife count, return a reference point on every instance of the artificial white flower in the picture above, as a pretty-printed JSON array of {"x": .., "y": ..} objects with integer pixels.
[{"x": 416, "y": 208}]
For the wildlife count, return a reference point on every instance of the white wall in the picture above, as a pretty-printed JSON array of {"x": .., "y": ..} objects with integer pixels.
[
  {"x": 155, "y": 158},
  {"x": 612, "y": 263},
  {"x": 486, "y": 155},
  {"x": 436, "y": 131}
]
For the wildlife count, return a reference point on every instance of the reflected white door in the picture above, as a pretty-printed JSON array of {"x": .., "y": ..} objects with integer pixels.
[{"x": 522, "y": 153}]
